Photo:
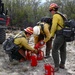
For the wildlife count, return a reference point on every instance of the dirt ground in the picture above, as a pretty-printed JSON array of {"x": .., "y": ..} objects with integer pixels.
[{"x": 24, "y": 68}]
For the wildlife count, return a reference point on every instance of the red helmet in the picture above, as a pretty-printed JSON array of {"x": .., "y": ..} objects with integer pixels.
[
  {"x": 53, "y": 6},
  {"x": 29, "y": 30}
]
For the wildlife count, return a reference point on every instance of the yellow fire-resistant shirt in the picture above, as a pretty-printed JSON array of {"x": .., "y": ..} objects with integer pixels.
[
  {"x": 45, "y": 32},
  {"x": 21, "y": 40},
  {"x": 57, "y": 19}
]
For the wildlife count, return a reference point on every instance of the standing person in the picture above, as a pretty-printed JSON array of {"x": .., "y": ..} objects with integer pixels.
[
  {"x": 20, "y": 40},
  {"x": 42, "y": 32},
  {"x": 59, "y": 41}
]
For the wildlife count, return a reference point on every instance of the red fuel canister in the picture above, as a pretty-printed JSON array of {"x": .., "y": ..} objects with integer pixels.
[
  {"x": 33, "y": 59},
  {"x": 40, "y": 55},
  {"x": 49, "y": 70}
]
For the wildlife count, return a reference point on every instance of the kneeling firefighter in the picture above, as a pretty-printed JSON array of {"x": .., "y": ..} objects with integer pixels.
[
  {"x": 21, "y": 41},
  {"x": 42, "y": 35}
]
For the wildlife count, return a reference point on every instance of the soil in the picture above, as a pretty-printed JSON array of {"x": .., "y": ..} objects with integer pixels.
[{"x": 25, "y": 68}]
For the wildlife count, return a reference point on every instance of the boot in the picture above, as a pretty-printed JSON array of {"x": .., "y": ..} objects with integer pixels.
[
  {"x": 22, "y": 60},
  {"x": 14, "y": 62},
  {"x": 62, "y": 66},
  {"x": 47, "y": 56},
  {"x": 56, "y": 69}
]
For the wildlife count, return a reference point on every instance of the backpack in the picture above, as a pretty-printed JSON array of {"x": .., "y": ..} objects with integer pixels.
[
  {"x": 68, "y": 30},
  {"x": 9, "y": 46},
  {"x": 45, "y": 20},
  {"x": 68, "y": 23}
]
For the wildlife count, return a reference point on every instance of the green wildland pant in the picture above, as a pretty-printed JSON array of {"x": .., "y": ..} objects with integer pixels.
[{"x": 59, "y": 47}]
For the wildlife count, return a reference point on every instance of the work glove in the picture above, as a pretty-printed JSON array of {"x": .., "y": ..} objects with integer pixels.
[
  {"x": 42, "y": 43},
  {"x": 34, "y": 51},
  {"x": 39, "y": 45}
]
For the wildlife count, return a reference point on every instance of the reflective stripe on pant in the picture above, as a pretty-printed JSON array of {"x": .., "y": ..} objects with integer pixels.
[{"x": 59, "y": 44}]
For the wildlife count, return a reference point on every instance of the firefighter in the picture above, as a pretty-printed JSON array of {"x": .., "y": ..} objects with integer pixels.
[
  {"x": 21, "y": 41},
  {"x": 42, "y": 36},
  {"x": 59, "y": 41}
]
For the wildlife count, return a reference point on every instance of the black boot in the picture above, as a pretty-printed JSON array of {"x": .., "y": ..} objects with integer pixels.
[
  {"x": 62, "y": 66},
  {"x": 47, "y": 56}
]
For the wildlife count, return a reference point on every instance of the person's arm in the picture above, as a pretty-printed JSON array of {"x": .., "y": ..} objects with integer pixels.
[
  {"x": 54, "y": 25},
  {"x": 25, "y": 44},
  {"x": 47, "y": 32}
]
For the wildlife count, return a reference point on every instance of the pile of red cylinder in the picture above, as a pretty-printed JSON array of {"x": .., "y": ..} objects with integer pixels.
[
  {"x": 49, "y": 70},
  {"x": 34, "y": 57}
]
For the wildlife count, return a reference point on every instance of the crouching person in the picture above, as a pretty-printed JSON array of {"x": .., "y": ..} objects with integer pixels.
[{"x": 20, "y": 40}]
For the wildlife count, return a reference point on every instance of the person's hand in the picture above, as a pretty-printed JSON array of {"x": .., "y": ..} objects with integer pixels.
[
  {"x": 39, "y": 44},
  {"x": 42, "y": 43},
  {"x": 35, "y": 51}
]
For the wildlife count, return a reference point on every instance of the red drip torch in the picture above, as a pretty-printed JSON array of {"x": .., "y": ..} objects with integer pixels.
[{"x": 49, "y": 70}]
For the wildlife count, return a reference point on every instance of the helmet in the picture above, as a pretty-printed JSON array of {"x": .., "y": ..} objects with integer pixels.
[
  {"x": 53, "y": 6},
  {"x": 29, "y": 30},
  {"x": 36, "y": 30}
]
